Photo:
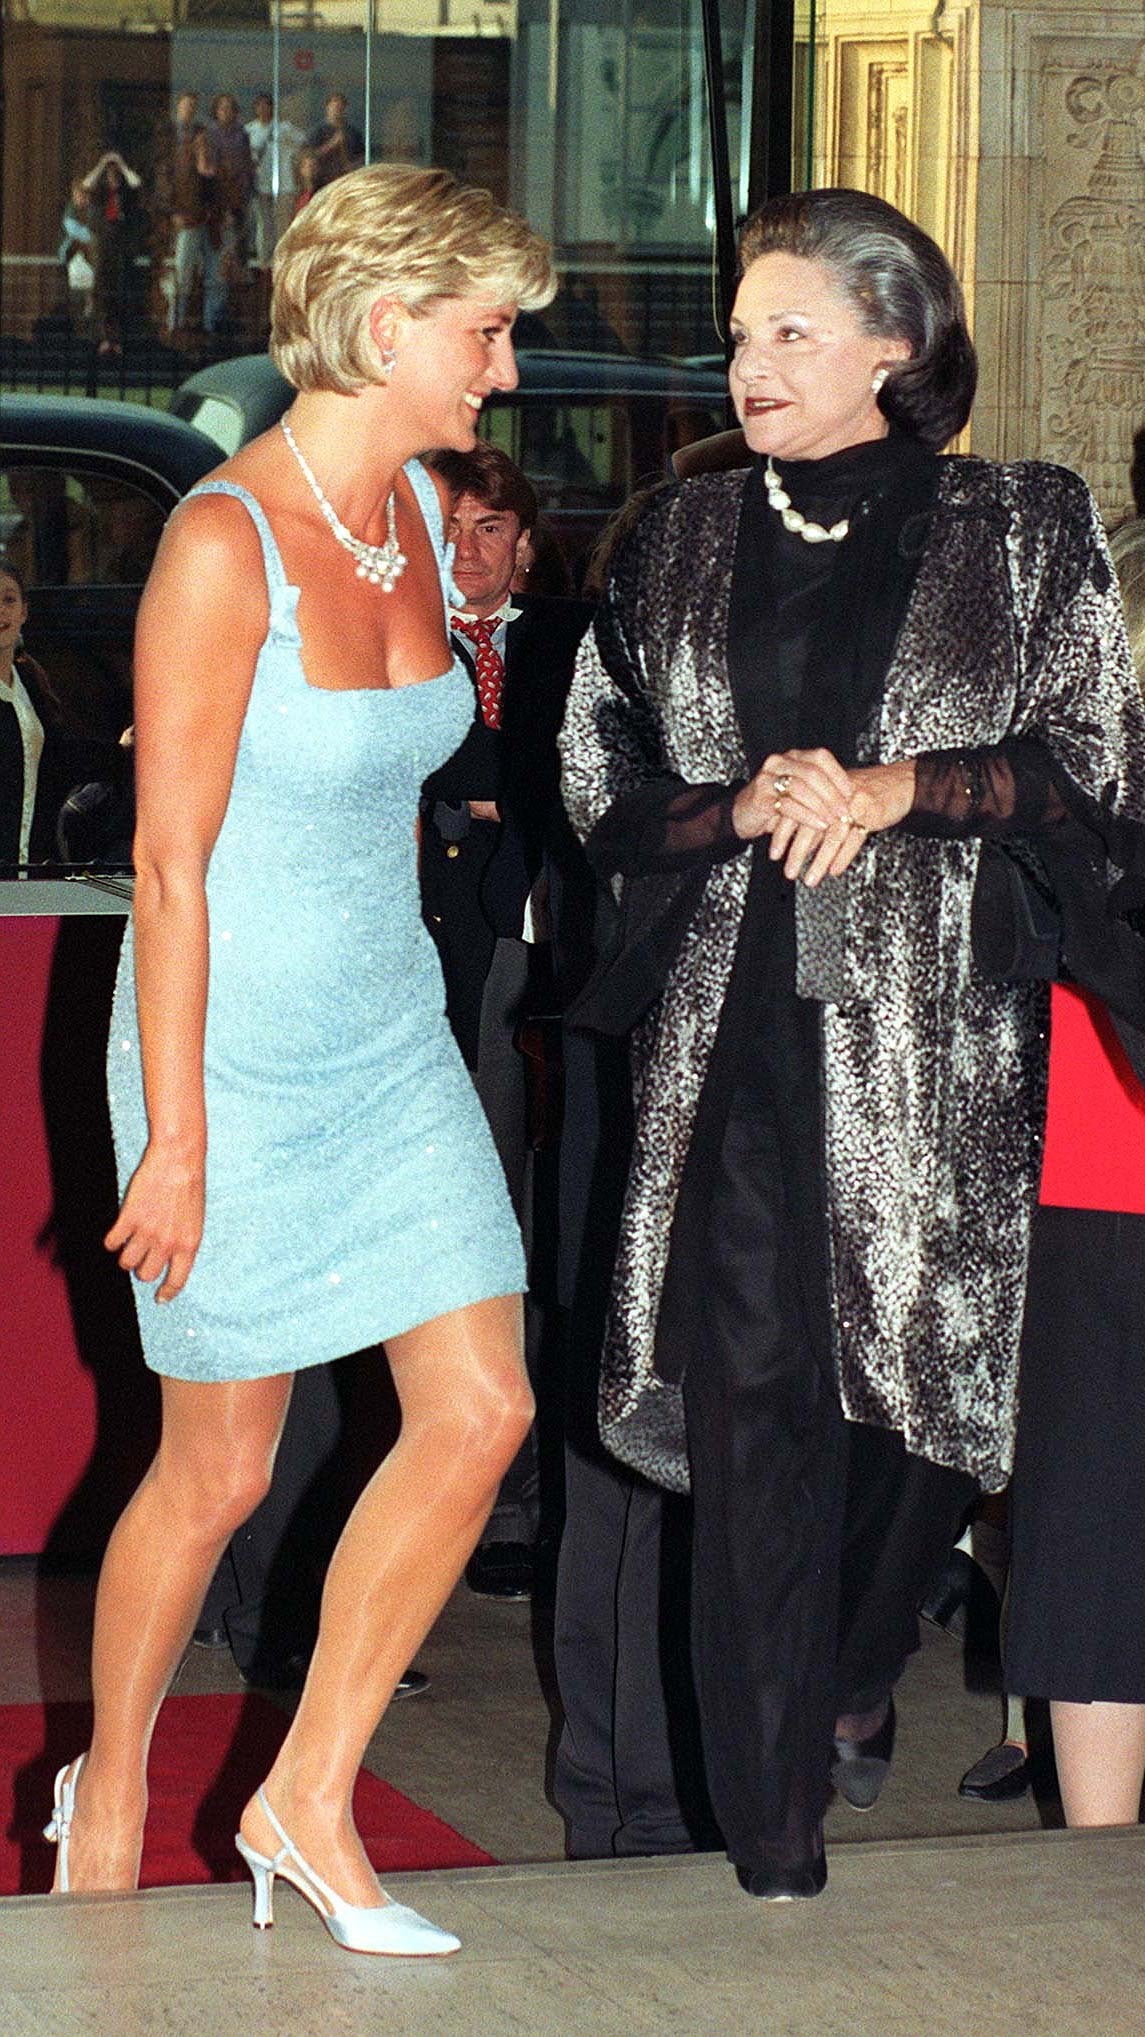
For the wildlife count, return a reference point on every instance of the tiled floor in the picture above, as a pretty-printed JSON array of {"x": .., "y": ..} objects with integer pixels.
[
  {"x": 1006, "y": 1931},
  {"x": 1019, "y": 1937},
  {"x": 475, "y": 1747}
]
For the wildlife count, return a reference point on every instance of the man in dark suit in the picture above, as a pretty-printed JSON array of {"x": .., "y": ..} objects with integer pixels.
[{"x": 493, "y": 829}]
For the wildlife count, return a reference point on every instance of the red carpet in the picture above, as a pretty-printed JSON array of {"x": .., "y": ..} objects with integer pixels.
[{"x": 209, "y": 1755}]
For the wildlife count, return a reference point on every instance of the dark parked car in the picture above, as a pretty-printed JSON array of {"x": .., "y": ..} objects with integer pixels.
[
  {"x": 588, "y": 429},
  {"x": 85, "y": 489}
]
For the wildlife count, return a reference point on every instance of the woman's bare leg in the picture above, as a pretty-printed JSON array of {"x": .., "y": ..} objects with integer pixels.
[
  {"x": 1100, "y": 1754},
  {"x": 466, "y": 1406},
  {"x": 213, "y": 1466}
]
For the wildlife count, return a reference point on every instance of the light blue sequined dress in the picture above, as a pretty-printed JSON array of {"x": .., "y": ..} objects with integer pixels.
[{"x": 353, "y": 1189}]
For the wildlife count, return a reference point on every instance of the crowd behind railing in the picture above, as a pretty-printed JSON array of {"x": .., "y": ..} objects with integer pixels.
[{"x": 165, "y": 260}]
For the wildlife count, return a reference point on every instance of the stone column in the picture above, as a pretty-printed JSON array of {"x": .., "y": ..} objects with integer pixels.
[{"x": 1059, "y": 284}]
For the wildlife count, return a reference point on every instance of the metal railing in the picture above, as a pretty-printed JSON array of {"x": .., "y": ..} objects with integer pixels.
[{"x": 647, "y": 310}]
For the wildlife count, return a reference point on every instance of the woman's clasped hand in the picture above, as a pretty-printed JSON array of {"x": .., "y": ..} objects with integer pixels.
[{"x": 817, "y": 814}]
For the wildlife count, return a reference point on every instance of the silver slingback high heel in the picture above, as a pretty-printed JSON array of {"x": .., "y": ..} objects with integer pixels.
[
  {"x": 59, "y": 1826},
  {"x": 388, "y": 1927}
]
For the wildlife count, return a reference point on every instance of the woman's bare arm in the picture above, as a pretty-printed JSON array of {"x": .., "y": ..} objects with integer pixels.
[{"x": 201, "y": 623}]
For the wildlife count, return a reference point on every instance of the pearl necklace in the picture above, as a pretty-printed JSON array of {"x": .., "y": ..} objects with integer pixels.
[
  {"x": 381, "y": 564},
  {"x": 811, "y": 533}
]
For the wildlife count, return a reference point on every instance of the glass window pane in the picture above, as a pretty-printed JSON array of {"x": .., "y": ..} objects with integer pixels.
[
  {"x": 162, "y": 147},
  {"x": 69, "y": 528}
]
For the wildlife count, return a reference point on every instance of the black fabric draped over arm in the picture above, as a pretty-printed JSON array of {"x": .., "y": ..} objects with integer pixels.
[
  {"x": 1009, "y": 788},
  {"x": 665, "y": 825}
]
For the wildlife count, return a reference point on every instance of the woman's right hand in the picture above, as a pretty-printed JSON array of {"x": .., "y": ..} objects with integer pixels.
[
  {"x": 158, "y": 1230},
  {"x": 814, "y": 789}
]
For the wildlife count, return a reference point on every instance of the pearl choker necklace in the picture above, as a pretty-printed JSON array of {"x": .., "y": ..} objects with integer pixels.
[
  {"x": 381, "y": 564},
  {"x": 811, "y": 533}
]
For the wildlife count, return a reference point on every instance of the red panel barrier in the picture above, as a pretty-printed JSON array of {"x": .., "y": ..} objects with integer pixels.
[{"x": 77, "y": 1411}]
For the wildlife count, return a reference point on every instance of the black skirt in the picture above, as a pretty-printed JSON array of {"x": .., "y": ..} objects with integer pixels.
[{"x": 1076, "y": 1629}]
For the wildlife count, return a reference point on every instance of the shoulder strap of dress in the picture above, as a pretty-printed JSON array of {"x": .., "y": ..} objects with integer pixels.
[
  {"x": 429, "y": 502},
  {"x": 272, "y": 557}
]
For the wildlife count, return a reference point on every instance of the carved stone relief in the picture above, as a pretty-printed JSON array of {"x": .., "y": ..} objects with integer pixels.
[{"x": 1093, "y": 390}]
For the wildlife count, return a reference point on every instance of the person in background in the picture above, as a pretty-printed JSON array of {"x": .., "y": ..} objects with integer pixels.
[
  {"x": 273, "y": 147},
  {"x": 491, "y": 821},
  {"x": 192, "y": 173},
  {"x": 40, "y": 761},
  {"x": 76, "y": 253},
  {"x": 1075, "y": 1606},
  {"x": 336, "y": 142},
  {"x": 784, "y": 745},
  {"x": 25, "y": 706},
  {"x": 231, "y": 193},
  {"x": 308, "y": 179},
  {"x": 628, "y": 1776},
  {"x": 113, "y": 187}
]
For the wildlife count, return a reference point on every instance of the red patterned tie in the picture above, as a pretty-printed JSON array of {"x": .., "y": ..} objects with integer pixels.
[{"x": 490, "y": 664}]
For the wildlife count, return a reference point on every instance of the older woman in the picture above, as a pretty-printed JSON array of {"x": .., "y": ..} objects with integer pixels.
[
  {"x": 305, "y": 1164},
  {"x": 810, "y": 689}
]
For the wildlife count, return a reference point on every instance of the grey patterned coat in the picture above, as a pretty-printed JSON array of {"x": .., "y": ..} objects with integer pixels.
[{"x": 933, "y": 1079}]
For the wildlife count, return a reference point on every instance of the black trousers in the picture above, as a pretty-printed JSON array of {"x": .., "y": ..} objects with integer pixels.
[
  {"x": 814, "y": 1539},
  {"x": 628, "y": 1776},
  {"x": 818, "y": 1542},
  {"x": 499, "y": 1078}
]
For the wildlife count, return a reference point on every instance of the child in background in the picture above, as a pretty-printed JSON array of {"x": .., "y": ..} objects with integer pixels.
[{"x": 76, "y": 253}]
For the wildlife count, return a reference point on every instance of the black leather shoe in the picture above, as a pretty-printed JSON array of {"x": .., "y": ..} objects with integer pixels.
[
  {"x": 411, "y": 1684},
  {"x": 211, "y": 1637},
  {"x": 502, "y": 1570},
  {"x": 1002, "y": 1774},
  {"x": 861, "y": 1767},
  {"x": 288, "y": 1672},
  {"x": 784, "y": 1884}
]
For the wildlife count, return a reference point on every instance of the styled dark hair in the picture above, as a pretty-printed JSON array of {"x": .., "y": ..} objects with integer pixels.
[
  {"x": 491, "y": 476},
  {"x": 901, "y": 286}
]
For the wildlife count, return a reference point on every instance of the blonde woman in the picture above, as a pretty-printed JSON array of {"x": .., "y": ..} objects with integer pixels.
[{"x": 305, "y": 1166}]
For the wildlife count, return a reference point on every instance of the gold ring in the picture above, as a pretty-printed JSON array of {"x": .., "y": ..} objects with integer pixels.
[{"x": 782, "y": 784}]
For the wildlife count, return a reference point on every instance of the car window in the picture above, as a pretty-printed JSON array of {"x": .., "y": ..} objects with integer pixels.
[
  {"x": 590, "y": 453},
  {"x": 222, "y": 421},
  {"x": 66, "y": 527}
]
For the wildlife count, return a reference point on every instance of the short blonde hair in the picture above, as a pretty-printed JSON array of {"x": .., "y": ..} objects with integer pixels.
[
  {"x": 391, "y": 230},
  {"x": 1127, "y": 548}
]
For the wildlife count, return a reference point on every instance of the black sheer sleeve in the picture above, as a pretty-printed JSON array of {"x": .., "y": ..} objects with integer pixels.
[
  {"x": 663, "y": 825},
  {"x": 1007, "y": 788}
]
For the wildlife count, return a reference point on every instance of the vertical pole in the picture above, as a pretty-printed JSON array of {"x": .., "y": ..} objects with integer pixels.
[
  {"x": 275, "y": 106},
  {"x": 368, "y": 82},
  {"x": 721, "y": 166},
  {"x": 809, "y": 149},
  {"x": 770, "y": 172}
]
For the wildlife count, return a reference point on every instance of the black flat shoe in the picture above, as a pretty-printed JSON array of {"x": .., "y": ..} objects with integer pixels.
[
  {"x": 502, "y": 1570},
  {"x": 860, "y": 1767},
  {"x": 784, "y": 1884},
  {"x": 1002, "y": 1775}
]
